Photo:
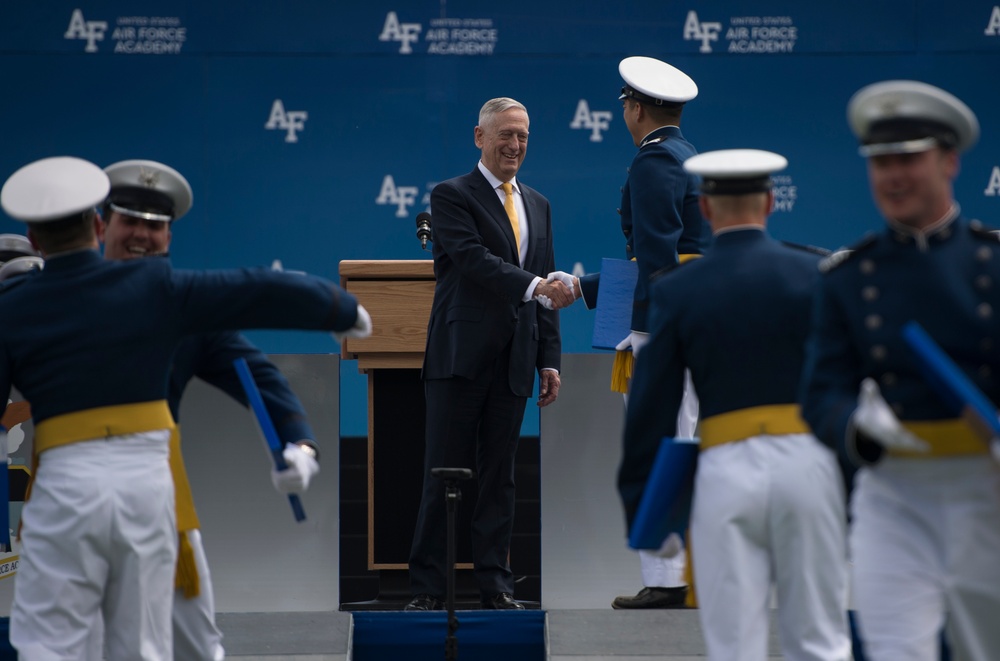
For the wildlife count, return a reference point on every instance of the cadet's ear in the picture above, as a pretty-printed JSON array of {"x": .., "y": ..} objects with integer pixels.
[{"x": 706, "y": 208}]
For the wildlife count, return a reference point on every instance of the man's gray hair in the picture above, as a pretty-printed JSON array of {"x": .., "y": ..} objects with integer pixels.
[{"x": 494, "y": 107}]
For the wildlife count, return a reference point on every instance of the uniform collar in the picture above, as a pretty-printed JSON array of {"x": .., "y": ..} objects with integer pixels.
[
  {"x": 659, "y": 135},
  {"x": 67, "y": 261},
  {"x": 739, "y": 234},
  {"x": 938, "y": 231}
]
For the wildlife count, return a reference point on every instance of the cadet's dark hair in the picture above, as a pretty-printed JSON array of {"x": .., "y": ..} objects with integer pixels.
[
  {"x": 64, "y": 234},
  {"x": 665, "y": 113}
]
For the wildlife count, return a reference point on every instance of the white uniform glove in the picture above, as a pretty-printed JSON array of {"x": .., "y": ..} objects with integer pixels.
[
  {"x": 874, "y": 417},
  {"x": 566, "y": 279},
  {"x": 635, "y": 339},
  {"x": 545, "y": 301},
  {"x": 302, "y": 466},
  {"x": 362, "y": 327}
]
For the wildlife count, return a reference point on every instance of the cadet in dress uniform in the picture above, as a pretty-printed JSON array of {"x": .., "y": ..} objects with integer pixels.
[
  {"x": 768, "y": 505},
  {"x": 146, "y": 198},
  {"x": 663, "y": 227},
  {"x": 98, "y": 532},
  {"x": 926, "y": 502}
]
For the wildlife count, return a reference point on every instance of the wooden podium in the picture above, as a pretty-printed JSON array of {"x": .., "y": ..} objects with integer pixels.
[{"x": 398, "y": 296}]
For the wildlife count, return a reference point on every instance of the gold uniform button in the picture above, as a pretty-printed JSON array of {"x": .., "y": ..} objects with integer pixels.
[{"x": 873, "y": 322}]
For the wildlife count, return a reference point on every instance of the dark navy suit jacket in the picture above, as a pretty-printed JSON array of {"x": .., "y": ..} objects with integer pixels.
[{"x": 477, "y": 307}]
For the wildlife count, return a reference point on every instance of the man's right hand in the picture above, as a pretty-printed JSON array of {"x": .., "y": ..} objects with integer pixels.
[
  {"x": 570, "y": 281},
  {"x": 558, "y": 294},
  {"x": 874, "y": 417}
]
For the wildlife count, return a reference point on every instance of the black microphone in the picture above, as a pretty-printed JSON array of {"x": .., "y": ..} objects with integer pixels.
[{"x": 423, "y": 228}]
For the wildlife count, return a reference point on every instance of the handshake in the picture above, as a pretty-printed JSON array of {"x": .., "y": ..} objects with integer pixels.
[{"x": 557, "y": 291}]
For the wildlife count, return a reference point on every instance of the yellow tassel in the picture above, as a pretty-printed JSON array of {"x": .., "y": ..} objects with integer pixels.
[
  {"x": 691, "y": 600},
  {"x": 621, "y": 371},
  {"x": 186, "y": 578}
]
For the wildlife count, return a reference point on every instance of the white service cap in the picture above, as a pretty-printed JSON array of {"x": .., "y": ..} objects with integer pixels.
[
  {"x": 53, "y": 188},
  {"x": 907, "y": 116},
  {"x": 651, "y": 81},
  {"x": 15, "y": 245},
  {"x": 20, "y": 265},
  {"x": 147, "y": 189},
  {"x": 735, "y": 171}
]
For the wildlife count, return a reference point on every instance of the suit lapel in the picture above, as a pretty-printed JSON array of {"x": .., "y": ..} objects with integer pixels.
[{"x": 488, "y": 197}]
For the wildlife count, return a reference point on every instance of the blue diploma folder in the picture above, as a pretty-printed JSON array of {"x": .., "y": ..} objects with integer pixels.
[
  {"x": 266, "y": 426},
  {"x": 613, "y": 318},
  {"x": 666, "y": 502},
  {"x": 951, "y": 383}
]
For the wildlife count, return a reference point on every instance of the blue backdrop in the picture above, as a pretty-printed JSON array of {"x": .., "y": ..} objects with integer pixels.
[{"x": 313, "y": 131}]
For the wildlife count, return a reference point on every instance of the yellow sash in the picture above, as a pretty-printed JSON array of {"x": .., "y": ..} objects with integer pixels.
[
  {"x": 947, "y": 438},
  {"x": 773, "y": 420},
  {"x": 123, "y": 419},
  {"x": 621, "y": 370}
]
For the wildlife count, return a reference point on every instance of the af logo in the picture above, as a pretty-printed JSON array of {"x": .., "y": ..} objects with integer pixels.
[
  {"x": 291, "y": 121},
  {"x": 597, "y": 121},
  {"x": 993, "y": 187},
  {"x": 704, "y": 32},
  {"x": 402, "y": 196},
  {"x": 91, "y": 31},
  {"x": 404, "y": 33},
  {"x": 993, "y": 27}
]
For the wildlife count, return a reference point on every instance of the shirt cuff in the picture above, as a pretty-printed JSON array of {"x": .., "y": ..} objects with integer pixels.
[{"x": 531, "y": 290}]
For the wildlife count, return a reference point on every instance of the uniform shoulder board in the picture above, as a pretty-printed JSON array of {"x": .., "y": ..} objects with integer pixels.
[
  {"x": 816, "y": 250},
  {"x": 980, "y": 230},
  {"x": 844, "y": 255}
]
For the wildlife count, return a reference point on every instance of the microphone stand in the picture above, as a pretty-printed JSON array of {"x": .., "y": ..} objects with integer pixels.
[{"x": 452, "y": 497}]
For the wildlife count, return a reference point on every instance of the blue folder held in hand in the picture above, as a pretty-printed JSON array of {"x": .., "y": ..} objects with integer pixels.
[
  {"x": 266, "y": 426},
  {"x": 952, "y": 384},
  {"x": 666, "y": 502},
  {"x": 613, "y": 317}
]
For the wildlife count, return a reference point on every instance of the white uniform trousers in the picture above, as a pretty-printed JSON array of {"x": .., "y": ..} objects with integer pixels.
[
  {"x": 196, "y": 637},
  {"x": 925, "y": 545},
  {"x": 657, "y": 571},
  {"x": 98, "y": 538},
  {"x": 769, "y": 510}
]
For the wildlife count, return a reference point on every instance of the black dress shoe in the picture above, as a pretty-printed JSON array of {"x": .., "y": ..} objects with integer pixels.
[
  {"x": 654, "y": 598},
  {"x": 503, "y": 601},
  {"x": 424, "y": 602}
]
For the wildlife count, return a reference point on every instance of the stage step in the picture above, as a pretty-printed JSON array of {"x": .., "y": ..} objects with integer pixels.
[{"x": 481, "y": 635}]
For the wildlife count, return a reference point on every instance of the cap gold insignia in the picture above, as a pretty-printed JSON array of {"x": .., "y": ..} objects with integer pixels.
[{"x": 148, "y": 178}]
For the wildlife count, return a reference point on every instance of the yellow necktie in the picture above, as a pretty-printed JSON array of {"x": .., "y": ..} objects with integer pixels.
[{"x": 508, "y": 205}]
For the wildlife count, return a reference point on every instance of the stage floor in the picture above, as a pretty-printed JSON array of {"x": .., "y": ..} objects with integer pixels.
[{"x": 573, "y": 635}]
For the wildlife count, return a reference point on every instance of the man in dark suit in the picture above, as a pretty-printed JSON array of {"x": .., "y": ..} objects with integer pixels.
[{"x": 490, "y": 329}]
